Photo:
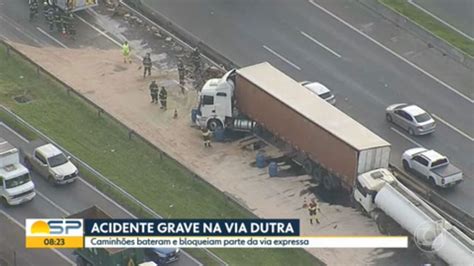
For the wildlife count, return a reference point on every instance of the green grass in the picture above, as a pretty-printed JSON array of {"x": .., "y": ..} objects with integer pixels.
[
  {"x": 161, "y": 184},
  {"x": 431, "y": 24}
]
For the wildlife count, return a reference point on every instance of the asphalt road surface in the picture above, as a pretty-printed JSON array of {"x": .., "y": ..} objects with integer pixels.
[
  {"x": 457, "y": 13},
  {"x": 12, "y": 247},
  {"x": 307, "y": 43},
  {"x": 53, "y": 202}
]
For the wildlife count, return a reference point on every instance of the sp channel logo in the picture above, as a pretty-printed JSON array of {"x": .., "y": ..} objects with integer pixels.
[
  {"x": 429, "y": 236},
  {"x": 54, "y": 233},
  {"x": 54, "y": 227}
]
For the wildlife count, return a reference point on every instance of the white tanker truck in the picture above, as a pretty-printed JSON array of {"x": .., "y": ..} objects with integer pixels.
[{"x": 396, "y": 209}]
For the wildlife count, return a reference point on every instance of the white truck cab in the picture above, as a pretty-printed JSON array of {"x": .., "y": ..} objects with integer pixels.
[
  {"x": 16, "y": 186},
  {"x": 215, "y": 102}
]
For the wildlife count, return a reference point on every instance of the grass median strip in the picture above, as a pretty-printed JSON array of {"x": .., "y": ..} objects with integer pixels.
[
  {"x": 161, "y": 184},
  {"x": 431, "y": 24}
]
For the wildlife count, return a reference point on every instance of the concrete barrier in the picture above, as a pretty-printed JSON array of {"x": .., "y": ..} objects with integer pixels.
[{"x": 427, "y": 36}]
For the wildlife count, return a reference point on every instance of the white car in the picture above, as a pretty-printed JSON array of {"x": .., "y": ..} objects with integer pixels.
[
  {"x": 320, "y": 90},
  {"x": 432, "y": 166},
  {"x": 411, "y": 118},
  {"x": 51, "y": 163}
]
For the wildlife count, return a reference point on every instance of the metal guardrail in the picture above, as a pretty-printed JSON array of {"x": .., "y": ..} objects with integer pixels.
[
  {"x": 449, "y": 211},
  {"x": 131, "y": 133}
]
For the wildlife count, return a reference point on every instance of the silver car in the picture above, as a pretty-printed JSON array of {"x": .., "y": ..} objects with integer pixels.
[
  {"x": 320, "y": 90},
  {"x": 411, "y": 118}
]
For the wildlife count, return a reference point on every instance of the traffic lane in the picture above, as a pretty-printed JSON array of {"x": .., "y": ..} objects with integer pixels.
[
  {"x": 459, "y": 13},
  {"x": 61, "y": 201},
  {"x": 374, "y": 89},
  {"x": 39, "y": 207},
  {"x": 461, "y": 195},
  {"x": 458, "y": 146},
  {"x": 12, "y": 247},
  {"x": 15, "y": 24},
  {"x": 261, "y": 22}
]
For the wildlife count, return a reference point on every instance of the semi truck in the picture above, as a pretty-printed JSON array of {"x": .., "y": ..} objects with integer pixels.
[
  {"x": 332, "y": 147},
  {"x": 16, "y": 186}
]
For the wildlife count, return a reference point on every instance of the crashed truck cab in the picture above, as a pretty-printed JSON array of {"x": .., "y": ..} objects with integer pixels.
[
  {"x": 368, "y": 184},
  {"x": 215, "y": 102}
]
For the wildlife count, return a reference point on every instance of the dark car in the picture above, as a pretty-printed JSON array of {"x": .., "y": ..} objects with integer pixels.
[{"x": 162, "y": 256}]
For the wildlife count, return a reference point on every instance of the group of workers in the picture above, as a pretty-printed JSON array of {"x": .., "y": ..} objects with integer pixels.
[
  {"x": 156, "y": 94},
  {"x": 161, "y": 95},
  {"x": 56, "y": 18}
]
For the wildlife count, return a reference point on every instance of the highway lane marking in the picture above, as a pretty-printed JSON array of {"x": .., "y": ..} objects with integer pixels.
[
  {"x": 52, "y": 203},
  {"x": 281, "y": 57},
  {"x": 102, "y": 32},
  {"x": 320, "y": 44},
  {"x": 51, "y": 37},
  {"x": 14, "y": 132},
  {"x": 406, "y": 137},
  {"x": 28, "y": 35},
  {"x": 453, "y": 127},
  {"x": 440, "y": 20},
  {"x": 107, "y": 197},
  {"x": 11, "y": 218},
  {"x": 392, "y": 52}
]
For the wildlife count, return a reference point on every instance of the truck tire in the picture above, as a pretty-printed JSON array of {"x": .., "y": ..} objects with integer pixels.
[
  {"x": 308, "y": 166},
  {"x": 51, "y": 180},
  {"x": 406, "y": 165},
  {"x": 432, "y": 181},
  {"x": 3, "y": 202},
  {"x": 327, "y": 182},
  {"x": 214, "y": 124},
  {"x": 382, "y": 223},
  {"x": 388, "y": 117}
]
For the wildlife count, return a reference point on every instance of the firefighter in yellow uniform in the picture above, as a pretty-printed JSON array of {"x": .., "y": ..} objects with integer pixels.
[{"x": 126, "y": 53}]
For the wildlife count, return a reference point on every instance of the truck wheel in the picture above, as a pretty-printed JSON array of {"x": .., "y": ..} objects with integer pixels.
[
  {"x": 308, "y": 166},
  {"x": 406, "y": 166},
  {"x": 3, "y": 202},
  {"x": 388, "y": 117},
  {"x": 51, "y": 180},
  {"x": 327, "y": 182},
  {"x": 382, "y": 221},
  {"x": 214, "y": 124},
  {"x": 432, "y": 181}
]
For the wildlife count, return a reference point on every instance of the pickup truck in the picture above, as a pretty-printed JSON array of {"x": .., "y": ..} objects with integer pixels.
[
  {"x": 433, "y": 166},
  {"x": 51, "y": 163}
]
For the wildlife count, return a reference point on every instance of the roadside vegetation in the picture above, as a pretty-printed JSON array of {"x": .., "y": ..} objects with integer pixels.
[
  {"x": 431, "y": 24},
  {"x": 160, "y": 183}
]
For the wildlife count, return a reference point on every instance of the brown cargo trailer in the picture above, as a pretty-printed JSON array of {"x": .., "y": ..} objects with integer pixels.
[{"x": 337, "y": 148}]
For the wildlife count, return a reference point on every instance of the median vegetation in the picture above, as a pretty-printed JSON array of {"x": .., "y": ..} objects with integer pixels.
[
  {"x": 431, "y": 24},
  {"x": 157, "y": 181}
]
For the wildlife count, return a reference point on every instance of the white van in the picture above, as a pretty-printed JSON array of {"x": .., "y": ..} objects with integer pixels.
[{"x": 16, "y": 186}]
